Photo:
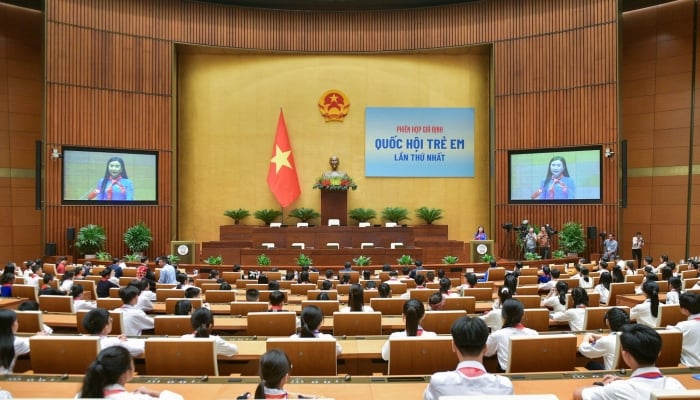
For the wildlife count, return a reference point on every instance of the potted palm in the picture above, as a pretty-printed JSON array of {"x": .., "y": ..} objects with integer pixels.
[
  {"x": 237, "y": 215},
  {"x": 303, "y": 260},
  {"x": 362, "y": 261},
  {"x": 395, "y": 214},
  {"x": 90, "y": 239},
  {"x": 572, "y": 239},
  {"x": 429, "y": 215},
  {"x": 263, "y": 260},
  {"x": 267, "y": 215},
  {"x": 138, "y": 238},
  {"x": 304, "y": 214},
  {"x": 362, "y": 214}
]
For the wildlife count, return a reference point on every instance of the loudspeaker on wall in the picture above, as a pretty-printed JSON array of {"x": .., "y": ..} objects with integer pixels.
[
  {"x": 70, "y": 234},
  {"x": 592, "y": 232},
  {"x": 50, "y": 249}
]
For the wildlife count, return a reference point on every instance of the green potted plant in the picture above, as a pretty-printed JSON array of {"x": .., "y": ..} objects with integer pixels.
[
  {"x": 263, "y": 260},
  {"x": 395, "y": 214},
  {"x": 362, "y": 261},
  {"x": 532, "y": 256},
  {"x": 267, "y": 215},
  {"x": 90, "y": 239},
  {"x": 138, "y": 238},
  {"x": 487, "y": 258},
  {"x": 405, "y": 259},
  {"x": 304, "y": 214},
  {"x": 214, "y": 260},
  {"x": 362, "y": 214},
  {"x": 429, "y": 215},
  {"x": 571, "y": 238},
  {"x": 559, "y": 253},
  {"x": 133, "y": 257},
  {"x": 103, "y": 256},
  {"x": 237, "y": 215},
  {"x": 303, "y": 260},
  {"x": 450, "y": 260},
  {"x": 173, "y": 259}
]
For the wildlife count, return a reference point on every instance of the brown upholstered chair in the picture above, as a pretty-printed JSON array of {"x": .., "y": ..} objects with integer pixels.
[
  {"x": 181, "y": 357},
  {"x": 552, "y": 352},
  {"x": 309, "y": 357},
  {"x": 421, "y": 356}
]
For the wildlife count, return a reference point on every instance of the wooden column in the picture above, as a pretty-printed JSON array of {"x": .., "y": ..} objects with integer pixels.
[{"x": 334, "y": 204}]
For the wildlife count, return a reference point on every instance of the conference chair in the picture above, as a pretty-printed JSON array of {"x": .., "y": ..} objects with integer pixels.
[
  {"x": 160, "y": 286},
  {"x": 29, "y": 322},
  {"x": 302, "y": 288},
  {"x": 170, "y": 304},
  {"x": 245, "y": 307},
  {"x": 313, "y": 294},
  {"x": 272, "y": 323},
  {"x": 689, "y": 274},
  {"x": 56, "y": 303},
  {"x": 334, "y": 283},
  {"x": 124, "y": 280},
  {"x": 172, "y": 325},
  {"x": 29, "y": 292},
  {"x": 669, "y": 314},
  {"x": 357, "y": 323},
  {"x": 343, "y": 288},
  {"x": 593, "y": 300},
  {"x": 529, "y": 271},
  {"x": 496, "y": 274},
  {"x": 377, "y": 282},
  {"x": 109, "y": 303},
  {"x": 572, "y": 282},
  {"x": 535, "y": 318},
  {"x": 529, "y": 300},
  {"x": 636, "y": 279},
  {"x": 388, "y": 306},
  {"x": 368, "y": 295},
  {"x": 421, "y": 295},
  {"x": 670, "y": 354},
  {"x": 49, "y": 268},
  {"x": 117, "y": 321},
  {"x": 243, "y": 283},
  {"x": 398, "y": 288},
  {"x": 353, "y": 276},
  {"x": 524, "y": 280},
  {"x": 531, "y": 290},
  {"x": 231, "y": 277},
  {"x": 200, "y": 281},
  {"x": 313, "y": 276},
  {"x": 220, "y": 296},
  {"x": 441, "y": 322},
  {"x": 595, "y": 317},
  {"x": 315, "y": 357},
  {"x": 421, "y": 356},
  {"x": 114, "y": 292},
  {"x": 52, "y": 354},
  {"x": 206, "y": 287},
  {"x": 384, "y": 276},
  {"x": 620, "y": 288},
  {"x": 466, "y": 303},
  {"x": 286, "y": 285},
  {"x": 327, "y": 307},
  {"x": 480, "y": 294},
  {"x": 487, "y": 284},
  {"x": 258, "y": 286},
  {"x": 410, "y": 283},
  {"x": 181, "y": 357},
  {"x": 550, "y": 353},
  {"x": 129, "y": 272},
  {"x": 89, "y": 288},
  {"x": 265, "y": 295},
  {"x": 162, "y": 294}
]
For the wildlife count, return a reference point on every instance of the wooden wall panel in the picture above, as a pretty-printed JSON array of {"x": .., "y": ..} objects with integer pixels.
[{"x": 555, "y": 79}]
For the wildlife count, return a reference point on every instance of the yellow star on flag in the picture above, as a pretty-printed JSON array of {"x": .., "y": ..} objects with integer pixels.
[{"x": 281, "y": 159}]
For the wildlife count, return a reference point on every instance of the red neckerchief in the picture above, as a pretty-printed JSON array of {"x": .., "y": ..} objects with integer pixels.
[
  {"x": 419, "y": 332},
  {"x": 114, "y": 182},
  {"x": 649, "y": 375},
  {"x": 557, "y": 181},
  {"x": 471, "y": 372},
  {"x": 276, "y": 396},
  {"x": 275, "y": 308},
  {"x": 112, "y": 391},
  {"x": 519, "y": 326}
]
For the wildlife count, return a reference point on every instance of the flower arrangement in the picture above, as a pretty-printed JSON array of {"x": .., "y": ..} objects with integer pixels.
[{"x": 343, "y": 182}]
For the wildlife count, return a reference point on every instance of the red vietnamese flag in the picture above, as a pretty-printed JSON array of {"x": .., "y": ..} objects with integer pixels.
[{"x": 282, "y": 176}]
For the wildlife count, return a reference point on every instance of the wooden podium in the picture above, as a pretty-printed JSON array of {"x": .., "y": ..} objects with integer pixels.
[
  {"x": 478, "y": 248},
  {"x": 334, "y": 204}
]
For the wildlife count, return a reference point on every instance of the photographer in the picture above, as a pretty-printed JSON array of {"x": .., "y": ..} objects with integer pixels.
[
  {"x": 543, "y": 243},
  {"x": 637, "y": 244}
]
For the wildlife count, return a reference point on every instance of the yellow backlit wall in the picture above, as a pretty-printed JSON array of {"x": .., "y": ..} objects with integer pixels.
[{"x": 228, "y": 105}]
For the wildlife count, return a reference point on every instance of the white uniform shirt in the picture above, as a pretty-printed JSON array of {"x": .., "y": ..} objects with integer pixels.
[
  {"x": 119, "y": 392},
  {"x": 604, "y": 293},
  {"x": 80, "y": 304},
  {"x": 498, "y": 343},
  {"x": 642, "y": 314},
  {"x": 672, "y": 297},
  {"x": 145, "y": 302},
  {"x": 493, "y": 319},
  {"x": 605, "y": 347},
  {"x": 325, "y": 336},
  {"x": 135, "y": 346},
  {"x": 585, "y": 285},
  {"x": 456, "y": 383},
  {"x": 402, "y": 334},
  {"x": 633, "y": 388},
  {"x": 575, "y": 317},
  {"x": 221, "y": 346},
  {"x": 21, "y": 347},
  {"x": 135, "y": 320},
  {"x": 554, "y": 303},
  {"x": 690, "y": 356},
  {"x": 364, "y": 309}
]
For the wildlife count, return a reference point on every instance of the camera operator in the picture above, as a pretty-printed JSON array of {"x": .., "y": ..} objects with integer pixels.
[{"x": 637, "y": 244}]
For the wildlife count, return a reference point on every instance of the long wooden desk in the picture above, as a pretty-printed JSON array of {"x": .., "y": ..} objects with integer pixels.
[
  {"x": 359, "y": 387},
  {"x": 631, "y": 300},
  {"x": 11, "y": 302}
]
